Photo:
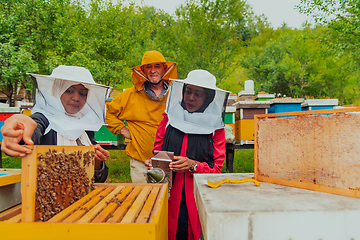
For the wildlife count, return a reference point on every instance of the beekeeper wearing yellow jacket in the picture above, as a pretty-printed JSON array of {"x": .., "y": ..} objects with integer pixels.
[{"x": 142, "y": 106}]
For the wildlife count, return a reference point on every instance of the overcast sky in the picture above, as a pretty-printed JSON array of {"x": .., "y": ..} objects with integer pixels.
[{"x": 277, "y": 11}]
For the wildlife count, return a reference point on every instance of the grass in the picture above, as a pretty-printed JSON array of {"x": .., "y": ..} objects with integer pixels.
[
  {"x": 119, "y": 164},
  {"x": 11, "y": 162},
  {"x": 119, "y": 167}
]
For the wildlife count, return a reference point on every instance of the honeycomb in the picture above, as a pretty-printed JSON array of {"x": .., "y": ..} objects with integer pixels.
[{"x": 317, "y": 149}]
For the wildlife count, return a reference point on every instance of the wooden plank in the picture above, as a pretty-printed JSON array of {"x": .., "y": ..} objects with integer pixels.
[
  {"x": 101, "y": 205},
  {"x": 28, "y": 186},
  {"x": 145, "y": 213},
  {"x": 10, "y": 212},
  {"x": 10, "y": 177},
  {"x": 159, "y": 214},
  {"x": 135, "y": 209},
  {"x": 76, "y": 215},
  {"x": 313, "y": 187},
  {"x": 256, "y": 146},
  {"x": 112, "y": 206},
  {"x": 66, "y": 212},
  {"x": 60, "y": 231},
  {"x": 121, "y": 211},
  {"x": 125, "y": 184},
  {"x": 14, "y": 219},
  {"x": 161, "y": 202}
]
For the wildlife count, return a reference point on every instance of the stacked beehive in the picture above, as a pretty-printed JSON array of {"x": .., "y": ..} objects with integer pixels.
[{"x": 58, "y": 195}]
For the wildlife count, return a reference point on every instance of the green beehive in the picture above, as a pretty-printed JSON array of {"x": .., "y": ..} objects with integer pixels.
[{"x": 105, "y": 136}]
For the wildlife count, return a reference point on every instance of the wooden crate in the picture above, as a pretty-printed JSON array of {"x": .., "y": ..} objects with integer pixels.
[
  {"x": 315, "y": 150},
  {"x": 115, "y": 210},
  {"x": 53, "y": 177}
]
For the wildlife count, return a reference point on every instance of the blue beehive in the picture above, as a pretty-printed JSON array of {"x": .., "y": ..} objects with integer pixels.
[
  {"x": 318, "y": 104},
  {"x": 281, "y": 105}
]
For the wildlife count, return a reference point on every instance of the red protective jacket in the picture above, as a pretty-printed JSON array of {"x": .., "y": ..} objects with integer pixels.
[{"x": 219, "y": 144}]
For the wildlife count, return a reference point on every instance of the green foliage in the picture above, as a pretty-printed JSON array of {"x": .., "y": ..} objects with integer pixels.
[
  {"x": 234, "y": 82},
  {"x": 224, "y": 37},
  {"x": 294, "y": 63},
  {"x": 15, "y": 62},
  {"x": 206, "y": 36},
  {"x": 342, "y": 19}
]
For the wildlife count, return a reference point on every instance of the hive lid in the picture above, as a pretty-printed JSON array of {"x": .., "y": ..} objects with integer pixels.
[
  {"x": 320, "y": 102},
  {"x": 286, "y": 100},
  {"x": 9, "y": 110}
]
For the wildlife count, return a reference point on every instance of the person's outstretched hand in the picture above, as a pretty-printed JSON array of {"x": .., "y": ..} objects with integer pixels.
[
  {"x": 100, "y": 155},
  {"x": 16, "y": 128}
]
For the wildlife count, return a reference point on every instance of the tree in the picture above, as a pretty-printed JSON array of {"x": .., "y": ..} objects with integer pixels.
[
  {"x": 293, "y": 63},
  {"x": 205, "y": 35},
  {"x": 342, "y": 19},
  {"x": 16, "y": 58},
  {"x": 113, "y": 39},
  {"x": 15, "y": 62}
]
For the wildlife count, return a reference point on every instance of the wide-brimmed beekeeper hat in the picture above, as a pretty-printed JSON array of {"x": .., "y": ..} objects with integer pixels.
[
  {"x": 139, "y": 77},
  {"x": 71, "y": 73},
  {"x": 205, "y": 122},
  {"x": 49, "y": 89},
  {"x": 201, "y": 78}
]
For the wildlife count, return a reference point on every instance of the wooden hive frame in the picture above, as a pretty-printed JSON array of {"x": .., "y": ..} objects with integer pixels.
[
  {"x": 53, "y": 177},
  {"x": 116, "y": 210},
  {"x": 315, "y": 150}
]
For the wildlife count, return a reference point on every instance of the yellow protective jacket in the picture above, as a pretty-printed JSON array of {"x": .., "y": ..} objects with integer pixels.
[{"x": 142, "y": 113}]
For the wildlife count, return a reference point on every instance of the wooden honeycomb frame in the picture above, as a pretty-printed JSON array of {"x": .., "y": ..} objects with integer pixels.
[
  {"x": 53, "y": 177},
  {"x": 315, "y": 150}
]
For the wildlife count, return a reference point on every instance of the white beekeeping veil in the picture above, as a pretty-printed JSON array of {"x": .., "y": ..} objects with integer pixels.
[
  {"x": 49, "y": 89},
  {"x": 209, "y": 117}
]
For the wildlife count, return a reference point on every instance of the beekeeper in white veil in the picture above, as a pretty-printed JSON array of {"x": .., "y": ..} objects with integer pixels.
[
  {"x": 192, "y": 129},
  {"x": 69, "y": 107},
  {"x": 209, "y": 116},
  {"x": 70, "y": 126}
]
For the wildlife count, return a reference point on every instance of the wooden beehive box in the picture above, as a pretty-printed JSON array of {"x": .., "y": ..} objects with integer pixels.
[
  {"x": 9, "y": 176},
  {"x": 53, "y": 178},
  {"x": 115, "y": 210},
  {"x": 9, "y": 188},
  {"x": 316, "y": 150}
]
